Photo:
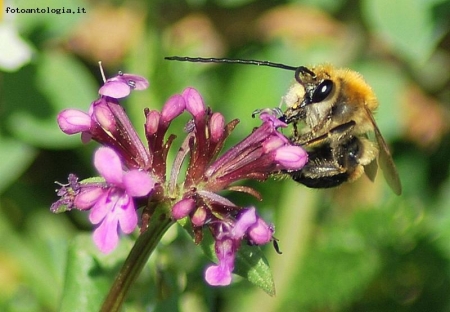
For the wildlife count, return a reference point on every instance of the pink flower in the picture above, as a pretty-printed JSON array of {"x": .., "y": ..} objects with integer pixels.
[
  {"x": 220, "y": 274},
  {"x": 121, "y": 85},
  {"x": 228, "y": 239},
  {"x": 113, "y": 206},
  {"x": 73, "y": 121},
  {"x": 198, "y": 174}
]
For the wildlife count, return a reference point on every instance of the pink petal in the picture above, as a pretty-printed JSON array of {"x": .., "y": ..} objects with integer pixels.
[
  {"x": 272, "y": 143},
  {"x": 136, "y": 82},
  {"x": 152, "y": 122},
  {"x": 271, "y": 117},
  {"x": 115, "y": 89},
  {"x": 73, "y": 121},
  {"x": 182, "y": 208},
  {"x": 105, "y": 235},
  {"x": 121, "y": 85},
  {"x": 217, "y": 275},
  {"x": 291, "y": 157},
  {"x": 104, "y": 116},
  {"x": 108, "y": 164},
  {"x": 137, "y": 183},
  {"x": 247, "y": 219},
  {"x": 102, "y": 207},
  {"x": 217, "y": 125},
  {"x": 220, "y": 275},
  {"x": 88, "y": 197},
  {"x": 133, "y": 81},
  {"x": 194, "y": 102},
  {"x": 86, "y": 137},
  {"x": 127, "y": 215},
  {"x": 174, "y": 106},
  {"x": 199, "y": 217},
  {"x": 260, "y": 233}
]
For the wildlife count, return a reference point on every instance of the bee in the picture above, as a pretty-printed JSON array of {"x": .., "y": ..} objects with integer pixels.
[{"x": 331, "y": 110}]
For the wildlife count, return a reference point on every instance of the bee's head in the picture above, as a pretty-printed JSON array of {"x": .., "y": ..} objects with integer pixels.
[
  {"x": 317, "y": 83},
  {"x": 312, "y": 86}
]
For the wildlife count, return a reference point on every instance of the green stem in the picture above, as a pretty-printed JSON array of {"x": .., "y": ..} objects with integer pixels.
[{"x": 139, "y": 254}]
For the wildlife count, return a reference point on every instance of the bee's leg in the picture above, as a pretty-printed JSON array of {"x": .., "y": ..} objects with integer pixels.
[
  {"x": 333, "y": 158},
  {"x": 320, "y": 173},
  {"x": 334, "y": 136}
]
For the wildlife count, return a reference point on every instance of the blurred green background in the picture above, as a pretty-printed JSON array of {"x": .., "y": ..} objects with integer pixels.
[{"x": 354, "y": 248}]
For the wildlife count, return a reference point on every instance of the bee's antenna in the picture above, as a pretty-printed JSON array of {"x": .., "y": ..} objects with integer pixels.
[{"x": 226, "y": 60}]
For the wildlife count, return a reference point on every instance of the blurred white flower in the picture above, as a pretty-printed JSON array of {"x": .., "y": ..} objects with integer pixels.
[{"x": 14, "y": 51}]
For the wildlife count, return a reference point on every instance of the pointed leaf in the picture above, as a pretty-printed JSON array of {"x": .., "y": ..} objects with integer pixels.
[{"x": 252, "y": 265}]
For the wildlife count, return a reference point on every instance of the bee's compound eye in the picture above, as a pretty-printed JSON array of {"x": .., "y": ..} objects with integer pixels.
[{"x": 322, "y": 91}]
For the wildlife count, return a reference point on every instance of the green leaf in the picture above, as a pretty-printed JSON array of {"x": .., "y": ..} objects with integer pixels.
[
  {"x": 93, "y": 180},
  {"x": 38, "y": 254},
  {"x": 16, "y": 157},
  {"x": 41, "y": 133},
  {"x": 406, "y": 25},
  {"x": 252, "y": 265},
  {"x": 89, "y": 274},
  {"x": 65, "y": 83}
]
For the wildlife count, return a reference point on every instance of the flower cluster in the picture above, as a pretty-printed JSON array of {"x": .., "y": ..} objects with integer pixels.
[{"x": 133, "y": 173}]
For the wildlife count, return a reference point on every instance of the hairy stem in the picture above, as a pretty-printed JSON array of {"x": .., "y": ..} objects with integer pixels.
[{"x": 139, "y": 254}]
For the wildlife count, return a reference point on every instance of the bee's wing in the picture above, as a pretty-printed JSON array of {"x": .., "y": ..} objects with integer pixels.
[
  {"x": 371, "y": 170},
  {"x": 385, "y": 160}
]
